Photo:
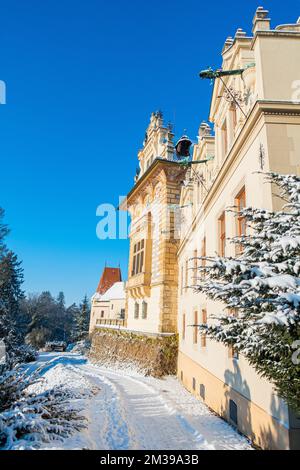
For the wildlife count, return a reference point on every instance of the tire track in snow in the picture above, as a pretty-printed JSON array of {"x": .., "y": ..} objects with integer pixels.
[
  {"x": 159, "y": 403},
  {"x": 113, "y": 429},
  {"x": 128, "y": 411}
]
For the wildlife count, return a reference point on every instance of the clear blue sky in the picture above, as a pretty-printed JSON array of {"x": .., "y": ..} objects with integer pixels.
[{"x": 82, "y": 79}]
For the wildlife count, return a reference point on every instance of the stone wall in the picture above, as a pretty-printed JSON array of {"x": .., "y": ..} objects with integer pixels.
[{"x": 151, "y": 354}]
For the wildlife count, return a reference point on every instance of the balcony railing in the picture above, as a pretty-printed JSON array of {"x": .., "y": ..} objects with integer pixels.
[{"x": 110, "y": 322}]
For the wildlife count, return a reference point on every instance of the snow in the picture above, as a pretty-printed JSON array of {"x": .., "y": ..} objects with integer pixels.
[
  {"x": 126, "y": 410},
  {"x": 115, "y": 292},
  {"x": 280, "y": 281},
  {"x": 289, "y": 242},
  {"x": 133, "y": 330}
]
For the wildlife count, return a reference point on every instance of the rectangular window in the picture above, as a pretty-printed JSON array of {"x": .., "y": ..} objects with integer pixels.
[
  {"x": 195, "y": 335},
  {"x": 195, "y": 268},
  {"x": 204, "y": 322},
  {"x": 144, "y": 310},
  {"x": 138, "y": 258},
  {"x": 224, "y": 137},
  {"x": 194, "y": 383},
  {"x": 240, "y": 202},
  {"x": 183, "y": 326},
  {"x": 222, "y": 235},
  {"x": 186, "y": 274},
  {"x": 198, "y": 193},
  {"x": 233, "y": 115},
  {"x": 203, "y": 254},
  {"x": 233, "y": 412},
  {"x": 181, "y": 280},
  {"x": 202, "y": 391},
  {"x": 232, "y": 353},
  {"x": 136, "y": 310}
]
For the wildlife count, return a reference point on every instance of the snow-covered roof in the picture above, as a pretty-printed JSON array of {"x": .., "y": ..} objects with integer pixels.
[{"x": 116, "y": 291}]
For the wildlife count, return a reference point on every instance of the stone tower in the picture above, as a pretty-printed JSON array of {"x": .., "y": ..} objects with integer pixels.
[{"x": 151, "y": 290}]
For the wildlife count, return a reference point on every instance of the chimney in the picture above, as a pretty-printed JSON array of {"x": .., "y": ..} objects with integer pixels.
[
  {"x": 204, "y": 129},
  {"x": 228, "y": 43},
  {"x": 261, "y": 22},
  {"x": 240, "y": 33}
]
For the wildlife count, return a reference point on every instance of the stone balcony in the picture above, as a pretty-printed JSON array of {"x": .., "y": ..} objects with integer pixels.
[{"x": 139, "y": 285}]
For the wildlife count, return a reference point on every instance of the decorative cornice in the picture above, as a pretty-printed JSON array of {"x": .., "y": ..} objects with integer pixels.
[
  {"x": 274, "y": 33},
  {"x": 171, "y": 169},
  {"x": 260, "y": 109}
]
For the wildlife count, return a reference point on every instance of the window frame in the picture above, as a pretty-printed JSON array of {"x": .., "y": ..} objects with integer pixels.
[
  {"x": 195, "y": 332},
  {"x": 195, "y": 267},
  {"x": 222, "y": 234},
  {"x": 203, "y": 254},
  {"x": 144, "y": 310},
  {"x": 186, "y": 278},
  {"x": 183, "y": 327},
  {"x": 225, "y": 137},
  {"x": 136, "y": 311},
  {"x": 241, "y": 229},
  {"x": 204, "y": 322},
  {"x": 138, "y": 257}
]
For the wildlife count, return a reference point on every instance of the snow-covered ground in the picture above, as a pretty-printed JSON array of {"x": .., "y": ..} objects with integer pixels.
[{"x": 129, "y": 411}]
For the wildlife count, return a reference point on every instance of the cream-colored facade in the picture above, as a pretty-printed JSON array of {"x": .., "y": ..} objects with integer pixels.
[
  {"x": 108, "y": 308},
  {"x": 152, "y": 286},
  {"x": 262, "y": 135},
  {"x": 256, "y": 128}
]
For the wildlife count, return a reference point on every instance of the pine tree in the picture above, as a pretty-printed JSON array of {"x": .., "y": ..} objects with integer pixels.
[
  {"x": 3, "y": 232},
  {"x": 61, "y": 301},
  {"x": 72, "y": 314},
  {"x": 82, "y": 320},
  {"x": 260, "y": 291},
  {"x": 11, "y": 276},
  {"x": 11, "y": 295}
]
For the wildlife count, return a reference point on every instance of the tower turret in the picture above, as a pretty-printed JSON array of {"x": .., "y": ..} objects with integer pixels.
[{"x": 158, "y": 142}]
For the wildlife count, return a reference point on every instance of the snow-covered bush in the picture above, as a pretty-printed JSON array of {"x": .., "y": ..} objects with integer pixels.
[
  {"x": 260, "y": 290},
  {"x": 29, "y": 419}
]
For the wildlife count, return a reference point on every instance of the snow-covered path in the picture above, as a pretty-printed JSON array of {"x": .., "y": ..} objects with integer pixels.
[{"x": 129, "y": 411}]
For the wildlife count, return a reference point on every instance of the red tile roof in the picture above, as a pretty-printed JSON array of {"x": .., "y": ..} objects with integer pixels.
[{"x": 108, "y": 278}]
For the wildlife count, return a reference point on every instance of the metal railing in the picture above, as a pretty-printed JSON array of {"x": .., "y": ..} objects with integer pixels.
[{"x": 110, "y": 322}]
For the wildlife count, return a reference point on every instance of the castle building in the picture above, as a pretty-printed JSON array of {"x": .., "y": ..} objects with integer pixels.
[
  {"x": 108, "y": 278},
  {"x": 255, "y": 112},
  {"x": 257, "y": 131},
  {"x": 152, "y": 286},
  {"x": 108, "y": 302}
]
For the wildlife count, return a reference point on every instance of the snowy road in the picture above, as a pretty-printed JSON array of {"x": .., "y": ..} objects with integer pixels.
[{"x": 129, "y": 411}]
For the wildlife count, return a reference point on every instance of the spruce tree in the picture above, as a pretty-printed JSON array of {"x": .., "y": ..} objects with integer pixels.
[
  {"x": 82, "y": 320},
  {"x": 260, "y": 291},
  {"x": 11, "y": 296}
]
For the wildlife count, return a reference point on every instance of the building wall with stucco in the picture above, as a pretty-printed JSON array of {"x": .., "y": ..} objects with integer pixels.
[
  {"x": 175, "y": 212},
  {"x": 261, "y": 134},
  {"x": 151, "y": 289}
]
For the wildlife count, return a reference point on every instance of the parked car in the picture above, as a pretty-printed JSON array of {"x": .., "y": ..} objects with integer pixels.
[{"x": 57, "y": 346}]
